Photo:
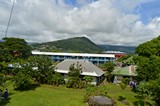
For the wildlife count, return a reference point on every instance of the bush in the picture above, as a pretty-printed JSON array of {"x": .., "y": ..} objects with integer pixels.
[
  {"x": 122, "y": 85},
  {"x": 90, "y": 91},
  {"x": 95, "y": 91},
  {"x": 125, "y": 81},
  {"x": 73, "y": 82},
  {"x": 57, "y": 79},
  {"x": 22, "y": 81}
]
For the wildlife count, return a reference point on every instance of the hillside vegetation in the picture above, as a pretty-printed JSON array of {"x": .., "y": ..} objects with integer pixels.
[
  {"x": 126, "y": 49},
  {"x": 78, "y": 44}
]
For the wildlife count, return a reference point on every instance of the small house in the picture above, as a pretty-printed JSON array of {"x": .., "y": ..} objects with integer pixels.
[
  {"x": 124, "y": 72},
  {"x": 88, "y": 69}
]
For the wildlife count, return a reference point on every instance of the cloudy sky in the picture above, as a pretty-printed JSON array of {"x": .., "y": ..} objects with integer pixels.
[{"x": 114, "y": 22}]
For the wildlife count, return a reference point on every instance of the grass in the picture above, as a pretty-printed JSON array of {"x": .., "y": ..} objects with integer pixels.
[
  {"x": 115, "y": 92},
  {"x": 45, "y": 95},
  {"x": 48, "y": 95}
]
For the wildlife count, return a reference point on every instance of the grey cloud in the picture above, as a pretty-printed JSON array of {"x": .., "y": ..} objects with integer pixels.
[{"x": 101, "y": 21}]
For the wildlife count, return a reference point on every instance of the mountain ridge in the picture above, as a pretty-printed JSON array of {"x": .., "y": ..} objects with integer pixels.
[
  {"x": 122, "y": 48},
  {"x": 79, "y": 45}
]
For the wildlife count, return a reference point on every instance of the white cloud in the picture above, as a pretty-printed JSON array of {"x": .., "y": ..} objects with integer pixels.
[{"x": 102, "y": 21}]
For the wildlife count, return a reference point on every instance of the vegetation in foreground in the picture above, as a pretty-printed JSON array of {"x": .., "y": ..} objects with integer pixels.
[
  {"x": 49, "y": 95},
  {"x": 45, "y": 95}
]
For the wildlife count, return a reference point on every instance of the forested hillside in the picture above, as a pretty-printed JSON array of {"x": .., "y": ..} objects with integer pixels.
[{"x": 78, "y": 44}]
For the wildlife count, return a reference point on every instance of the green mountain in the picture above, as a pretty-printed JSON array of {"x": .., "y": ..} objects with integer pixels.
[{"x": 77, "y": 44}]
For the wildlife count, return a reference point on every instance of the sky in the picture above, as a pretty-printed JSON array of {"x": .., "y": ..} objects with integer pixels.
[{"x": 113, "y": 22}]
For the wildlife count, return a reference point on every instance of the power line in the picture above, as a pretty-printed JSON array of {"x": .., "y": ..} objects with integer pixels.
[{"x": 9, "y": 18}]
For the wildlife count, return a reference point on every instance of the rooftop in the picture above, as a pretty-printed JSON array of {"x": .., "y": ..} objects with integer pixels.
[
  {"x": 114, "y": 52},
  {"x": 125, "y": 71},
  {"x": 87, "y": 67},
  {"x": 73, "y": 54}
]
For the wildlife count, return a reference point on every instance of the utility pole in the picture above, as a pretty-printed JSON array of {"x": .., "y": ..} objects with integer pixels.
[{"x": 9, "y": 18}]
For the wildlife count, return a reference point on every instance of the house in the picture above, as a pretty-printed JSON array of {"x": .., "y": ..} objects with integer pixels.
[
  {"x": 88, "y": 69},
  {"x": 124, "y": 72}
]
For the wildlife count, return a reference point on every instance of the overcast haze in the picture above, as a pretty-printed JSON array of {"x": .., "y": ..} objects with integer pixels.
[{"x": 114, "y": 22}]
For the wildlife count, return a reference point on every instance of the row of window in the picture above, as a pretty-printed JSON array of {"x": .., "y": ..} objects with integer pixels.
[{"x": 94, "y": 60}]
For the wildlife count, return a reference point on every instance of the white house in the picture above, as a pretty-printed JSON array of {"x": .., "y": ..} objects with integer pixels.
[{"x": 88, "y": 69}]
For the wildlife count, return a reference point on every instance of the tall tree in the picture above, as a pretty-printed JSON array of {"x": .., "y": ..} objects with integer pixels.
[
  {"x": 148, "y": 62},
  {"x": 44, "y": 68},
  {"x": 108, "y": 67},
  {"x": 17, "y": 47},
  {"x": 73, "y": 76},
  {"x": 22, "y": 72},
  {"x": 149, "y": 48},
  {"x": 148, "y": 68}
]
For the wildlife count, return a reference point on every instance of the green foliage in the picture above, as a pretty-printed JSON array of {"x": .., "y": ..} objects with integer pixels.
[
  {"x": 90, "y": 91},
  {"x": 16, "y": 47},
  {"x": 95, "y": 91},
  {"x": 108, "y": 67},
  {"x": 74, "y": 70},
  {"x": 125, "y": 81},
  {"x": 148, "y": 62},
  {"x": 74, "y": 80},
  {"x": 78, "y": 44},
  {"x": 122, "y": 85},
  {"x": 148, "y": 68},
  {"x": 22, "y": 81},
  {"x": 1, "y": 80},
  {"x": 23, "y": 72},
  {"x": 57, "y": 79},
  {"x": 149, "y": 48},
  {"x": 88, "y": 79},
  {"x": 144, "y": 93},
  {"x": 124, "y": 58},
  {"x": 154, "y": 88},
  {"x": 4, "y": 68},
  {"x": 121, "y": 98},
  {"x": 44, "y": 71}
]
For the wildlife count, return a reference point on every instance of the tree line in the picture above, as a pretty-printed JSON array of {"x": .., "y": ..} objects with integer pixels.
[{"x": 148, "y": 62}]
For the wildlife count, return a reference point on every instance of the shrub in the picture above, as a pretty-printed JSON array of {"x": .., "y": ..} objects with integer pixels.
[
  {"x": 57, "y": 79},
  {"x": 122, "y": 85},
  {"x": 22, "y": 81},
  {"x": 125, "y": 81}
]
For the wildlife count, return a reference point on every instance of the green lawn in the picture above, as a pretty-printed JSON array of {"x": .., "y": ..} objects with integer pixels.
[
  {"x": 46, "y": 95},
  {"x": 115, "y": 91}
]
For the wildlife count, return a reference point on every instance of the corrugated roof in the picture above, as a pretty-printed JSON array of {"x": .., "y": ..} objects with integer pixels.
[
  {"x": 125, "y": 71},
  {"x": 87, "y": 67},
  {"x": 73, "y": 54},
  {"x": 115, "y": 52}
]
